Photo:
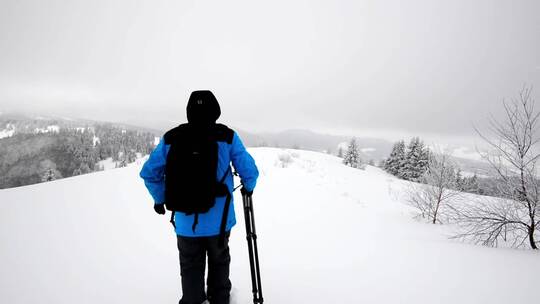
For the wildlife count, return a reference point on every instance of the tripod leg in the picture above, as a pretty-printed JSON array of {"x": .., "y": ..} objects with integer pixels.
[
  {"x": 253, "y": 251},
  {"x": 256, "y": 254},
  {"x": 250, "y": 245}
]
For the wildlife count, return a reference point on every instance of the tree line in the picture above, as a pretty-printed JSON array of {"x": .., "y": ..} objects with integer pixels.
[
  {"x": 27, "y": 158},
  {"x": 510, "y": 212},
  {"x": 411, "y": 162}
]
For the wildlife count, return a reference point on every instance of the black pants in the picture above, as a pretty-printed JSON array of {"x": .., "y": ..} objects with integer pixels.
[{"x": 193, "y": 251}]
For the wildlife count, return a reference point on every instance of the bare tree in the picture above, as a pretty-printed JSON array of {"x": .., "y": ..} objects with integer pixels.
[
  {"x": 513, "y": 217},
  {"x": 490, "y": 221},
  {"x": 434, "y": 196}
]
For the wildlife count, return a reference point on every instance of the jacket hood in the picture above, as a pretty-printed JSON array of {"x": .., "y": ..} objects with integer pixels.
[{"x": 202, "y": 108}]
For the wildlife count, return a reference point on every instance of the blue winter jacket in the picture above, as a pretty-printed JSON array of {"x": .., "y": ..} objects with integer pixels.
[{"x": 153, "y": 173}]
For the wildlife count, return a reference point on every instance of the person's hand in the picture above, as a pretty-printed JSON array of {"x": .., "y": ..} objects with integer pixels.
[
  {"x": 244, "y": 191},
  {"x": 159, "y": 208}
]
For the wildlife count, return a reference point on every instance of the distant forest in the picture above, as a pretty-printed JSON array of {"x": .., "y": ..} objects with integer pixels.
[{"x": 29, "y": 158}]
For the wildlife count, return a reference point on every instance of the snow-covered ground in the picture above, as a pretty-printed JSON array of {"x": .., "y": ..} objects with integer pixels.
[
  {"x": 8, "y": 131},
  {"x": 52, "y": 129},
  {"x": 107, "y": 164},
  {"x": 327, "y": 234}
]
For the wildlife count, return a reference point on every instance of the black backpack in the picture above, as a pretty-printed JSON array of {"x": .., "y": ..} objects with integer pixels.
[{"x": 191, "y": 184}]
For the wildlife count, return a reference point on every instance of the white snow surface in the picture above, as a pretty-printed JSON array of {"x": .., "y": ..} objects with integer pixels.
[
  {"x": 327, "y": 234},
  {"x": 107, "y": 164},
  {"x": 52, "y": 129},
  {"x": 8, "y": 131}
]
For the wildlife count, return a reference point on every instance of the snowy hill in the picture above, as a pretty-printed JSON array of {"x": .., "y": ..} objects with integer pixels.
[{"x": 327, "y": 234}]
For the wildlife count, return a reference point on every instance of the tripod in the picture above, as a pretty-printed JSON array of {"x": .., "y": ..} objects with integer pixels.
[{"x": 252, "y": 248}]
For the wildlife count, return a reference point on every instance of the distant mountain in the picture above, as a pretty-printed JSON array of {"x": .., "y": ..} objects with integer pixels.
[
  {"x": 471, "y": 166},
  {"x": 371, "y": 148},
  {"x": 375, "y": 149}
]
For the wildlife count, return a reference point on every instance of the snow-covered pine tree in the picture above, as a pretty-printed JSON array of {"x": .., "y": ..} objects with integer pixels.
[
  {"x": 395, "y": 161},
  {"x": 131, "y": 156},
  {"x": 416, "y": 160},
  {"x": 423, "y": 160},
  {"x": 82, "y": 169},
  {"x": 352, "y": 155},
  {"x": 48, "y": 176},
  {"x": 47, "y": 171},
  {"x": 470, "y": 184}
]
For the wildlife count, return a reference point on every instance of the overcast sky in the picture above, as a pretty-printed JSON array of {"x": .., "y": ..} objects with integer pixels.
[{"x": 351, "y": 67}]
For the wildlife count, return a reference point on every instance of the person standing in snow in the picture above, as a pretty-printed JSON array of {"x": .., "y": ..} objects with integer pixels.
[{"x": 189, "y": 173}]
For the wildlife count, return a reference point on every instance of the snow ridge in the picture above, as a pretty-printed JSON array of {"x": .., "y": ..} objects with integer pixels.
[{"x": 326, "y": 232}]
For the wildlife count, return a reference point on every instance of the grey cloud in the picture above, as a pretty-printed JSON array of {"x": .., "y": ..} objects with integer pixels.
[{"x": 419, "y": 66}]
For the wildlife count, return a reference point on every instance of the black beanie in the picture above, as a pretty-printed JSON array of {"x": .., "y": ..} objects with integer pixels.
[{"x": 202, "y": 108}]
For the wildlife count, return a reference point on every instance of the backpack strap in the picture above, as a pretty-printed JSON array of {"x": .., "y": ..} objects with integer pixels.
[
  {"x": 224, "y": 133},
  {"x": 225, "y": 210},
  {"x": 195, "y": 222},
  {"x": 224, "y": 220},
  {"x": 225, "y": 214}
]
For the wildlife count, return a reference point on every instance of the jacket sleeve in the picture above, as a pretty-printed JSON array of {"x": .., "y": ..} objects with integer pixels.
[
  {"x": 244, "y": 163},
  {"x": 153, "y": 172}
]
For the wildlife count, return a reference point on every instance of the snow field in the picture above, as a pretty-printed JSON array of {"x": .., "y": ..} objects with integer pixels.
[{"x": 326, "y": 232}]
